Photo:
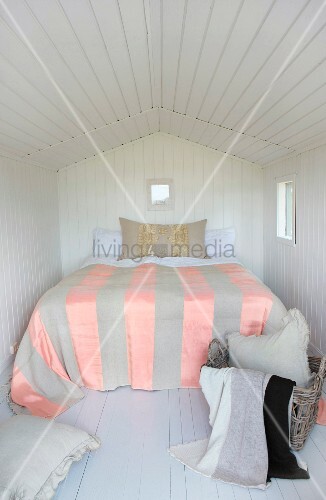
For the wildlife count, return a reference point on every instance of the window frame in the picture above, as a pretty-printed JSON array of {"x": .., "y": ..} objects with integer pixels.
[
  {"x": 280, "y": 180},
  {"x": 158, "y": 207}
]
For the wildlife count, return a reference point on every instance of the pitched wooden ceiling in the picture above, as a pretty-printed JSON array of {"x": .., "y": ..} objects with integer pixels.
[{"x": 243, "y": 76}]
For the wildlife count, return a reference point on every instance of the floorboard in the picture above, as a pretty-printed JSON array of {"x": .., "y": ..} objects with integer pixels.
[{"x": 137, "y": 427}]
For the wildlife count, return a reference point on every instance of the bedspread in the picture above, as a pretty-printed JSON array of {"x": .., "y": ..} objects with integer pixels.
[{"x": 149, "y": 327}]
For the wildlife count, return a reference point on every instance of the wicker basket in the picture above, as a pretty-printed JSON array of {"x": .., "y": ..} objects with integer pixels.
[{"x": 305, "y": 401}]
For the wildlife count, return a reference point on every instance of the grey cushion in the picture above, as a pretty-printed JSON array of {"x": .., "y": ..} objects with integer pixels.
[
  {"x": 36, "y": 454},
  {"x": 283, "y": 353}
]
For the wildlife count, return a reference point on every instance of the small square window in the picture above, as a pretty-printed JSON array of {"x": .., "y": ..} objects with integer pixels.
[
  {"x": 286, "y": 209},
  {"x": 160, "y": 194}
]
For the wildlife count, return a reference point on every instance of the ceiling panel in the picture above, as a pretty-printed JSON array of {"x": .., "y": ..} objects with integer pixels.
[
  {"x": 245, "y": 31},
  {"x": 81, "y": 76},
  {"x": 59, "y": 34},
  {"x": 109, "y": 19},
  {"x": 67, "y": 68},
  {"x": 133, "y": 14},
  {"x": 24, "y": 108},
  {"x": 25, "y": 89},
  {"x": 14, "y": 144},
  {"x": 88, "y": 35},
  {"x": 312, "y": 141},
  {"x": 153, "y": 19},
  {"x": 271, "y": 157},
  {"x": 173, "y": 25},
  {"x": 32, "y": 143},
  {"x": 302, "y": 124},
  {"x": 93, "y": 143},
  {"x": 194, "y": 31},
  {"x": 264, "y": 150},
  {"x": 312, "y": 83},
  {"x": 274, "y": 49},
  {"x": 296, "y": 138},
  {"x": 209, "y": 134},
  {"x": 153, "y": 120},
  {"x": 220, "y": 30}
]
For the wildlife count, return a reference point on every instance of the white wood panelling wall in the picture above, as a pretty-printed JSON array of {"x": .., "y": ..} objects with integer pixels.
[
  {"x": 30, "y": 260},
  {"x": 298, "y": 274},
  {"x": 89, "y": 196}
]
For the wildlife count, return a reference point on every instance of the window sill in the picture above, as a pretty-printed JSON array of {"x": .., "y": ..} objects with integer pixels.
[{"x": 286, "y": 241}]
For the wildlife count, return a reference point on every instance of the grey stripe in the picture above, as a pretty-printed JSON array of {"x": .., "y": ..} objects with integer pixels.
[
  {"x": 169, "y": 305},
  {"x": 112, "y": 333},
  {"x": 227, "y": 302},
  {"x": 43, "y": 380},
  {"x": 53, "y": 313},
  {"x": 274, "y": 321}
]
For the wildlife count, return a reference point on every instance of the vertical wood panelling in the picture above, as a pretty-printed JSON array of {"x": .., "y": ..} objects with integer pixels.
[
  {"x": 30, "y": 260},
  {"x": 89, "y": 195},
  {"x": 297, "y": 274}
]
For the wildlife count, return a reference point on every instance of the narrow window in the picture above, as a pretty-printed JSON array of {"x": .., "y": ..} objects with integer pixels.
[{"x": 286, "y": 209}]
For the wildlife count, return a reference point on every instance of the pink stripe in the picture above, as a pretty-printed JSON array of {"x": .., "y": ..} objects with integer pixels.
[
  {"x": 321, "y": 417},
  {"x": 23, "y": 394},
  {"x": 197, "y": 324},
  {"x": 140, "y": 326},
  {"x": 257, "y": 300},
  {"x": 43, "y": 345},
  {"x": 82, "y": 318}
]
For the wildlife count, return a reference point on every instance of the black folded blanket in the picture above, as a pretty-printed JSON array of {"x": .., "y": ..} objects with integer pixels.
[{"x": 282, "y": 463}]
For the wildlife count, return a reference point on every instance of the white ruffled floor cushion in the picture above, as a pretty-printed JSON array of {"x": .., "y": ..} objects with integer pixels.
[{"x": 36, "y": 455}]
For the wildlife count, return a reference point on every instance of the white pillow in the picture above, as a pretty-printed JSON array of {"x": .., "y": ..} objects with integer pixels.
[
  {"x": 283, "y": 353},
  {"x": 220, "y": 242},
  {"x": 36, "y": 454},
  {"x": 106, "y": 242}
]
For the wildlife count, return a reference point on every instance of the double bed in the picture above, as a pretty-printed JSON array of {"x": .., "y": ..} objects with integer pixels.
[{"x": 146, "y": 324}]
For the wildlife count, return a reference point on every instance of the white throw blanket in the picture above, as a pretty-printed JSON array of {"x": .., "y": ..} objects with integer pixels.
[{"x": 236, "y": 451}]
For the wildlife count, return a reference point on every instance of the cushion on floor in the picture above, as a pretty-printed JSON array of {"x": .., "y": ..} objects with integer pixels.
[{"x": 36, "y": 454}]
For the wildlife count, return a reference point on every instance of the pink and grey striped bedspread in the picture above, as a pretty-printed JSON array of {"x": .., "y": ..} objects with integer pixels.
[{"x": 148, "y": 326}]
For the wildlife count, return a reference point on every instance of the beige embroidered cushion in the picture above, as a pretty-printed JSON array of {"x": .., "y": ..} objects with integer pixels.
[
  {"x": 170, "y": 240},
  {"x": 36, "y": 454}
]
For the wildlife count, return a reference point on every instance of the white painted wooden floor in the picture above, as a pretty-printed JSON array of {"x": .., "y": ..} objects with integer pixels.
[{"x": 137, "y": 427}]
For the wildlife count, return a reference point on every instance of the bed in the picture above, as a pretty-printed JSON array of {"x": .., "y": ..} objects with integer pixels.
[{"x": 145, "y": 324}]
